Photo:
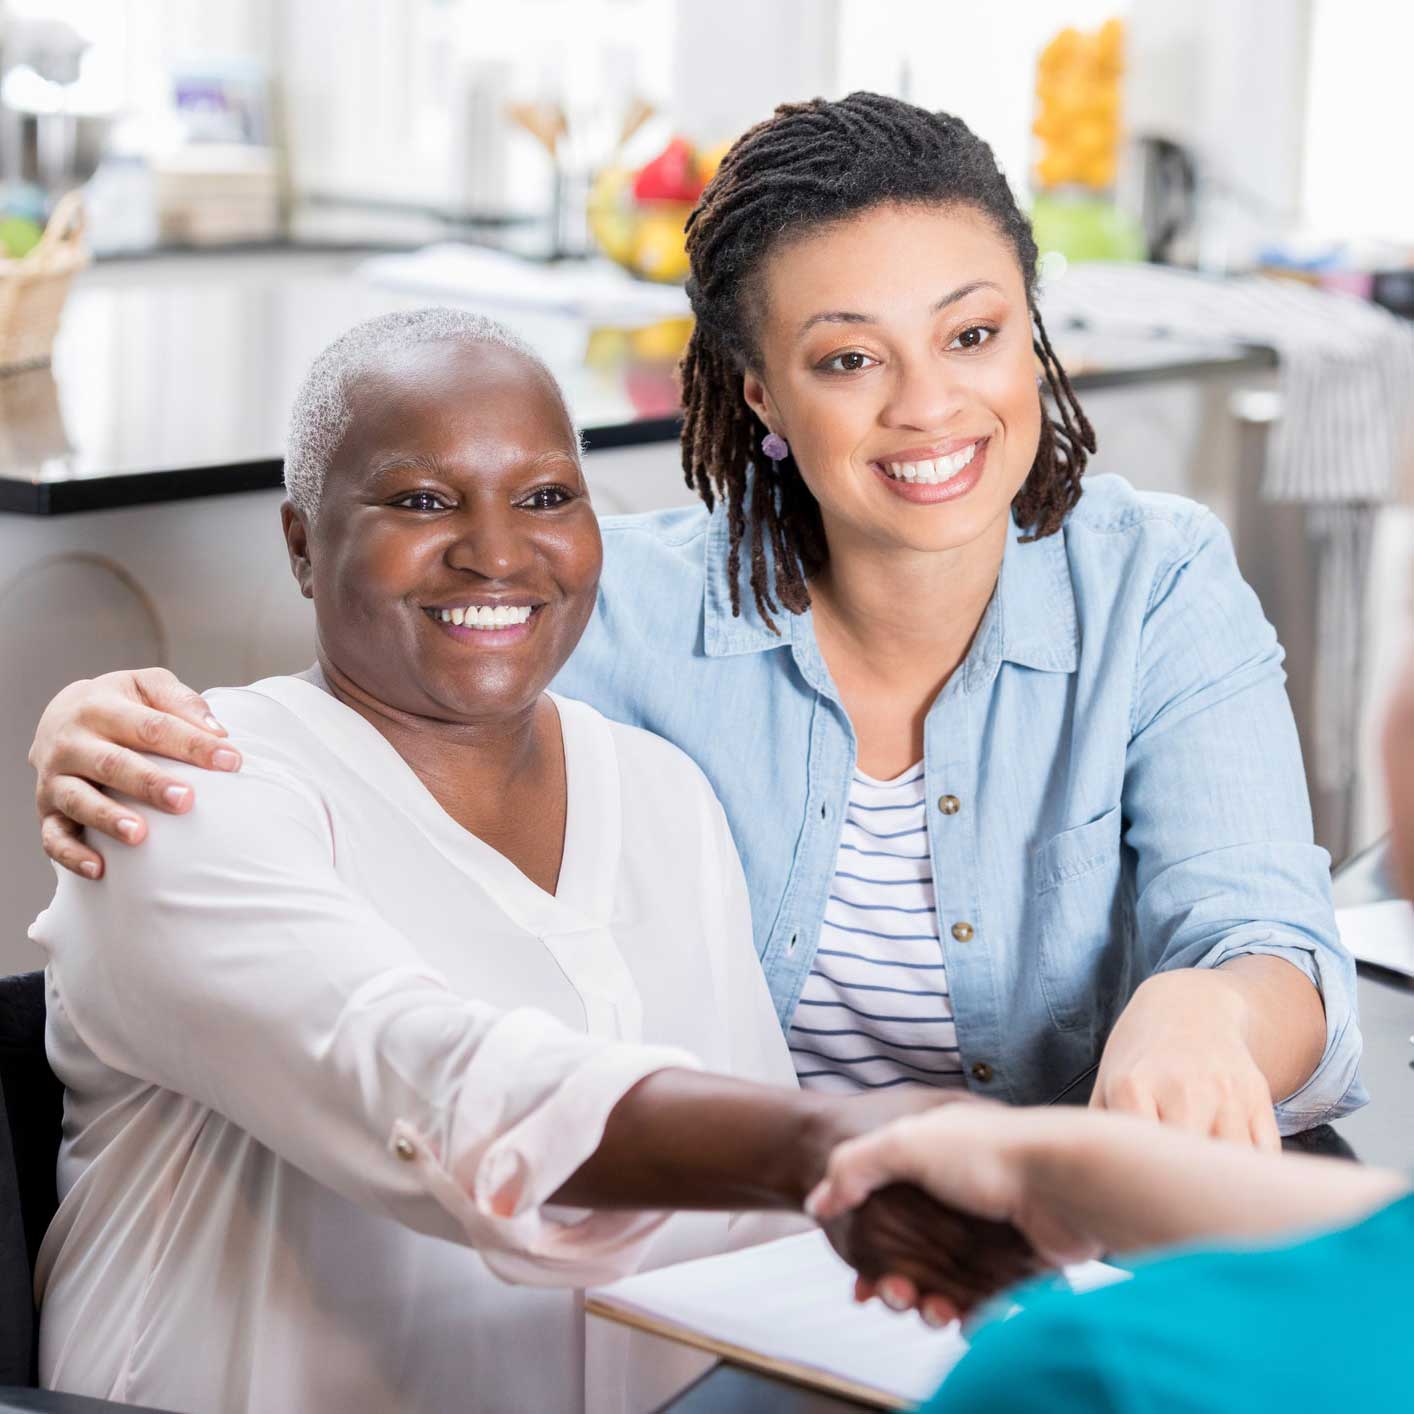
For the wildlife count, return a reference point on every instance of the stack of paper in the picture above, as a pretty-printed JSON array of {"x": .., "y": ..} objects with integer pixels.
[
  {"x": 1381, "y": 933},
  {"x": 787, "y": 1307}
]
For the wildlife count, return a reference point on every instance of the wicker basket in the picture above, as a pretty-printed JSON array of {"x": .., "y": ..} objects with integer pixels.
[{"x": 33, "y": 289}]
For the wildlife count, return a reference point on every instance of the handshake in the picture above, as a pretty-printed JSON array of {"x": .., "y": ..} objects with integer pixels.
[{"x": 908, "y": 1246}]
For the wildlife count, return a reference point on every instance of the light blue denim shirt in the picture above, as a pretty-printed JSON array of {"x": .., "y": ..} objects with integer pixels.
[{"x": 1120, "y": 742}]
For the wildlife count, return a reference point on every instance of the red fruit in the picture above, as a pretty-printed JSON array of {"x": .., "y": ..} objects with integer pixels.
[{"x": 670, "y": 176}]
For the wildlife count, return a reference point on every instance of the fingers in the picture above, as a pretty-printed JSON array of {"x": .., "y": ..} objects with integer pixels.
[
  {"x": 859, "y": 1166},
  {"x": 898, "y": 1293},
  {"x": 119, "y": 723},
  {"x": 62, "y": 842},
  {"x": 1234, "y": 1105},
  {"x": 82, "y": 806},
  {"x": 911, "y": 1248},
  {"x": 1235, "y": 1125},
  {"x": 938, "y": 1311},
  {"x": 1265, "y": 1134},
  {"x": 164, "y": 691},
  {"x": 1127, "y": 1096}
]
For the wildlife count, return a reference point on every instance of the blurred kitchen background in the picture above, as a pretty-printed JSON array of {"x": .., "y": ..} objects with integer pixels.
[{"x": 197, "y": 195}]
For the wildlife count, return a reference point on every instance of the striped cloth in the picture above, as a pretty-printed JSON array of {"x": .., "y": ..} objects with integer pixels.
[
  {"x": 875, "y": 1010},
  {"x": 1346, "y": 432}
]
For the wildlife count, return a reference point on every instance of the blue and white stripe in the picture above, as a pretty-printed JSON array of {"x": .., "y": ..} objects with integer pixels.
[{"x": 875, "y": 1011}]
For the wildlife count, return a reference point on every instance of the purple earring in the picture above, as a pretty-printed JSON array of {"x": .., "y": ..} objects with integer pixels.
[{"x": 775, "y": 446}]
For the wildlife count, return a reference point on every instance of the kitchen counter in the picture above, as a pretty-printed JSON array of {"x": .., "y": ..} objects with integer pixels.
[{"x": 173, "y": 377}]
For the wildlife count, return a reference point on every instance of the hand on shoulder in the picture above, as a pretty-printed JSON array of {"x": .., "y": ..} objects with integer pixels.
[{"x": 91, "y": 738}]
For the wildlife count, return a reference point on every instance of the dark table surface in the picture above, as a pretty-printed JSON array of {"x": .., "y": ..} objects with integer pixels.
[
  {"x": 172, "y": 377},
  {"x": 1387, "y": 1016}
]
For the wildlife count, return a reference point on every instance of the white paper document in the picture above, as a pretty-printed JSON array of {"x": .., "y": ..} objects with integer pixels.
[
  {"x": 1382, "y": 933},
  {"x": 788, "y": 1306}
]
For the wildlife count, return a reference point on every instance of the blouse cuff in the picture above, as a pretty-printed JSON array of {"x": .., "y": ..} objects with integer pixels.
[{"x": 499, "y": 1191}]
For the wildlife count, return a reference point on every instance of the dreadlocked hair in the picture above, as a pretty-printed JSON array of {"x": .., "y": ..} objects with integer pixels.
[{"x": 806, "y": 166}]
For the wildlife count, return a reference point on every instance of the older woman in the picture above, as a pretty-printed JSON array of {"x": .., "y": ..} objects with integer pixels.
[
  {"x": 411, "y": 1006},
  {"x": 1011, "y": 767}
]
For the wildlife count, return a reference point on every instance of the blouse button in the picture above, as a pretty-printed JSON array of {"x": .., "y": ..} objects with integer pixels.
[
  {"x": 949, "y": 804},
  {"x": 981, "y": 1071},
  {"x": 962, "y": 932},
  {"x": 403, "y": 1148}
]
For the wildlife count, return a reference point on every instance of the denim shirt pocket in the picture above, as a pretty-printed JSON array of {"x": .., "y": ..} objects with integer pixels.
[{"x": 1075, "y": 878}]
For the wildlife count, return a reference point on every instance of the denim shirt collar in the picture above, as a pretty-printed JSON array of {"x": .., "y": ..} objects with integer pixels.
[{"x": 1030, "y": 620}]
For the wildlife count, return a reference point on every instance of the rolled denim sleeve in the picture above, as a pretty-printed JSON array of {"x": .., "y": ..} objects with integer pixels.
[{"x": 1216, "y": 806}]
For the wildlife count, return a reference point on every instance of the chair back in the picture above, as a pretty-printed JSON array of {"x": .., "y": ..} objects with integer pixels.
[{"x": 33, "y": 1104}]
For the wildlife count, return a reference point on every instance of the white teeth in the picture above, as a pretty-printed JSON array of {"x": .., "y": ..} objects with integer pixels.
[
  {"x": 485, "y": 616},
  {"x": 930, "y": 473}
]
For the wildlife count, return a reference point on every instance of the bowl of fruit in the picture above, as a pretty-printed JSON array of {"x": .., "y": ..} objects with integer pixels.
[{"x": 637, "y": 217}]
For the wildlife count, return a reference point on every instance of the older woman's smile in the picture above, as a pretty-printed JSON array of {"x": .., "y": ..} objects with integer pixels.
[{"x": 487, "y": 625}]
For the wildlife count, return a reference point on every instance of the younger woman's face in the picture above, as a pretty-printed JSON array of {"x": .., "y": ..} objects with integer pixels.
[{"x": 896, "y": 359}]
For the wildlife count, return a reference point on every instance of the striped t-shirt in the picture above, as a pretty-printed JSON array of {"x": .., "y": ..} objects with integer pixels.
[{"x": 875, "y": 1010}]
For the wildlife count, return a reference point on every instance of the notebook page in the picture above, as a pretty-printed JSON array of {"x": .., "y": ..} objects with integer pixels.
[
  {"x": 788, "y": 1307},
  {"x": 1382, "y": 933}
]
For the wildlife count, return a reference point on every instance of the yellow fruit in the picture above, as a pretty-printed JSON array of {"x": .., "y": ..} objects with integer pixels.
[
  {"x": 1091, "y": 138},
  {"x": 709, "y": 161},
  {"x": 611, "y": 214},
  {"x": 661, "y": 342},
  {"x": 1062, "y": 49},
  {"x": 659, "y": 252},
  {"x": 1055, "y": 169},
  {"x": 606, "y": 347},
  {"x": 1097, "y": 172}
]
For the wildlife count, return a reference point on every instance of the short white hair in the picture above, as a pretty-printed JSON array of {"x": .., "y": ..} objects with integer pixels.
[{"x": 321, "y": 412}]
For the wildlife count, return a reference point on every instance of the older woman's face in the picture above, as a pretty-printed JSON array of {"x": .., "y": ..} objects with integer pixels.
[
  {"x": 456, "y": 494},
  {"x": 897, "y": 361}
]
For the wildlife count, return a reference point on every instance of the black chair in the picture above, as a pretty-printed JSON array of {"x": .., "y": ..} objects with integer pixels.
[{"x": 33, "y": 1104}]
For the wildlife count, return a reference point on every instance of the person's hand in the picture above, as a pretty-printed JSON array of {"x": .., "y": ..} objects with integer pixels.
[
  {"x": 911, "y": 1251},
  {"x": 972, "y": 1161},
  {"x": 89, "y": 737},
  {"x": 1178, "y": 1054},
  {"x": 917, "y": 1252}
]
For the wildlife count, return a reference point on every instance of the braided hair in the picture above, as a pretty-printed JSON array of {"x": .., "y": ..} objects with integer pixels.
[{"x": 806, "y": 166}]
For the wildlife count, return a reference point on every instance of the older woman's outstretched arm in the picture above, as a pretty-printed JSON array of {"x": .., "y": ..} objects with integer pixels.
[{"x": 229, "y": 963}]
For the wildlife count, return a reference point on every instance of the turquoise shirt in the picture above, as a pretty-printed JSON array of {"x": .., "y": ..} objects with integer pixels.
[
  {"x": 1119, "y": 742},
  {"x": 1326, "y": 1324}
]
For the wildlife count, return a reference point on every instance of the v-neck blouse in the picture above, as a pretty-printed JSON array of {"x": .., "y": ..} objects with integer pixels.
[{"x": 319, "y": 1041}]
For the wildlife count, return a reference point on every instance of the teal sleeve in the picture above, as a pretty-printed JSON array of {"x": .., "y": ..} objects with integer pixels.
[{"x": 1041, "y": 1361}]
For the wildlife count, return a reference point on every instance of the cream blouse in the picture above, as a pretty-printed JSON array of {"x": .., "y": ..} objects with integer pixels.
[{"x": 327, "y": 1055}]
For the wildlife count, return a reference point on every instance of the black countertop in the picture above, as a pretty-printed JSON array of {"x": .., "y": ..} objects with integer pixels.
[{"x": 172, "y": 378}]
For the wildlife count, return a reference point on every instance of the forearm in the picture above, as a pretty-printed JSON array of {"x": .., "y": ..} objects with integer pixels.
[
  {"x": 1282, "y": 1016},
  {"x": 1132, "y": 1185},
  {"x": 680, "y": 1139}
]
